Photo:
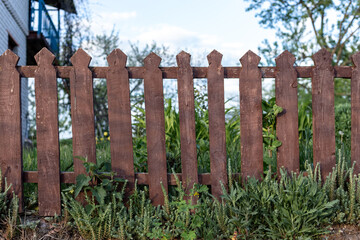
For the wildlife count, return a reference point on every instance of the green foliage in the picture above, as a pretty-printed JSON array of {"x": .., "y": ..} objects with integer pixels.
[
  {"x": 303, "y": 27},
  {"x": 99, "y": 180},
  {"x": 270, "y": 112},
  {"x": 305, "y": 134},
  {"x": 294, "y": 207},
  {"x": 9, "y": 206},
  {"x": 343, "y": 185},
  {"x": 96, "y": 219},
  {"x": 343, "y": 127}
]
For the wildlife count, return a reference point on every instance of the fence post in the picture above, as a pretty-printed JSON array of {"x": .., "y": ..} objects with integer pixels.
[
  {"x": 82, "y": 111},
  {"x": 187, "y": 122},
  {"x": 155, "y": 128},
  {"x": 217, "y": 135},
  {"x": 251, "y": 117},
  {"x": 118, "y": 91},
  {"x": 287, "y": 129},
  {"x": 355, "y": 112},
  {"x": 47, "y": 135},
  {"x": 10, "y": 124},
  {"x": 323, "y": 112}
]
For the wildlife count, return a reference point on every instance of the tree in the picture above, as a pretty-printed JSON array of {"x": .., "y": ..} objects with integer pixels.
[{"x": 305, "y": 26}]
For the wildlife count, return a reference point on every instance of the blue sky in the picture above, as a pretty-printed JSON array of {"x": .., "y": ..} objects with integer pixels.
[{"x": 196, "y": 26}]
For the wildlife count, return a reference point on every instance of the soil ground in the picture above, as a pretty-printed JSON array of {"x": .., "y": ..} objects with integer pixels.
[
  {"x": 46, "y": 228},
  {"x": 342, "y": 232}
]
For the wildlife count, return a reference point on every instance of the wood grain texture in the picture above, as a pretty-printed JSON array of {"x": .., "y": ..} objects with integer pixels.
[
  {"x": 47, "y": 135},
  {"x": 217, "y": 135},
  {"x": 10, "y": 124},
  {"x": 118, "y": 91},
  {"x": 187, "y": 121},
  {"x": 82, "y": 110},
  {"x": 323, "y": 112},
  {"x": 199, "y": 72},
  {"x": 287, "y": 129},
  {"x": 251, "y": 117},
  {"x": 155, "y": 128},
  {"x": 355, "y": 112}
]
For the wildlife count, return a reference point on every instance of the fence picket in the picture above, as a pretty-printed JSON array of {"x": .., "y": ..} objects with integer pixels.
[
  {"x": 217, "y": 135},
  {"x": 187, "y": 121},
  {"x": 47, "y": 135},
  {"x": 287, "y": 128},
  {"x": 355, "y": 112},
  {"x": 122, "y": 161},
  {"x": 323, "y": 112},
  {"x": 82, "y": 110},
  {"x": 10, "y": 124},
  {"x": 155, "y": 128},
  {"x": 81, "y": 76},
  {"x": 251, "y": 117}
]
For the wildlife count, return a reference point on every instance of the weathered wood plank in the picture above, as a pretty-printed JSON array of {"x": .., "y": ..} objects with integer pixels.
[
  {"x": 187, "y": 121},
  {"x": 251, "y": 117},
  {"x": 355, "y": 112},
  {"x": 217, "y": 134},
  {"x": 155, "y": 128},
  {"x": 118, "y": 91},
  {"x": 47, "y": 135},
  {"x": 323, "y": 112},
  {"x": 10, "y": 124},
  {"x": 287, "y": 129},
  {"x": 82, "y": 111},
  {"x": 142, "y": 178},
  {"x": 199, "y": 72}
]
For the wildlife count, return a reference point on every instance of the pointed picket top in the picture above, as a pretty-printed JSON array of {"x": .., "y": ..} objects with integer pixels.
[
  {"x": 80, "y": 58},
  {"x": 183, "y": 59},
  {"x": 44, "y": 57},
  {"x": 117, "y": 58},
  {"x": 250, "y": 58},
  {"x": 215, "y": 58},
  {"x": 152, "y": 61},
  {"x": 286, "y": 59},
  {"x": 322, "y": 59},
  {"x": 10, "y": 58},
  {"x": 356, "y": 59}
]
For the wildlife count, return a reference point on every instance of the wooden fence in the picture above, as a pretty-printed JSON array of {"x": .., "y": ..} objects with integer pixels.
[{"x": 48, "y": 177}]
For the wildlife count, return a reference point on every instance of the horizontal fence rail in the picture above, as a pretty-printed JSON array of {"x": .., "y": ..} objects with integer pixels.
[
  {"x": 49, "y": 177},
  {"x": 198, "y": 72}
]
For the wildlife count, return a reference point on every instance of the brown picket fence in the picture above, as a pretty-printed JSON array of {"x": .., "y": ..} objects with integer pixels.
[{"x": 49, "y": 177}]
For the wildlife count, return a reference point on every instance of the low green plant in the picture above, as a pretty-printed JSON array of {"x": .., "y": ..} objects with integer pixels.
[
  {"x": 270, "y": 141},
  {"x": 343, "y": 185},
  {"x": 294, "y": 207},
  {"x": 97, "y": 218},
  {"x": 9, "y": 206}
]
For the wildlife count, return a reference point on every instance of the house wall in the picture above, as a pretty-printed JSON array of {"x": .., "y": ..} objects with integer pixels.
[{"x": 14, "y": 20}]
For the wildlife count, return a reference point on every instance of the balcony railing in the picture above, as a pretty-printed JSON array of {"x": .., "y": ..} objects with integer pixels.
[{"x": 42, "y": 23}]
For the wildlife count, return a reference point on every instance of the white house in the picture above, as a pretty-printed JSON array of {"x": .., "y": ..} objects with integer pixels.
[{"x": 26, "y": 26}]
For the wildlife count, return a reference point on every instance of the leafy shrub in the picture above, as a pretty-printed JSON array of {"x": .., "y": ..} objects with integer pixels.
[{"x": 293, "y": 207}]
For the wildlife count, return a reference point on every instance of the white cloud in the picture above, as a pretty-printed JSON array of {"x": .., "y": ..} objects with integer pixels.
[
  {"x": 196, "y": 43},
  {"x": 113, "y": 19},
  {"x": 114, "y": 16}
]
